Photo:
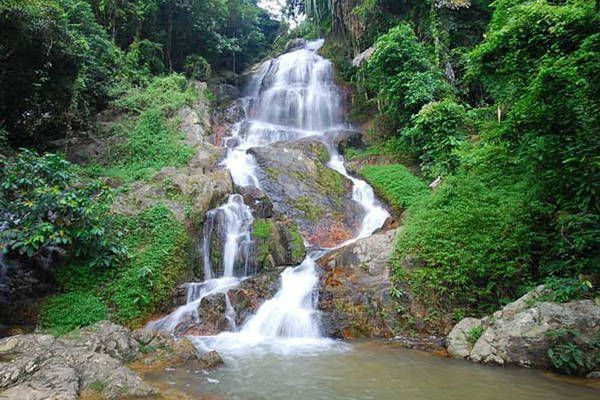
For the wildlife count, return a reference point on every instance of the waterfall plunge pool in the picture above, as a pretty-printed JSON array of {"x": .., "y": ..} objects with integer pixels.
[{"x": 366, "y": 370}]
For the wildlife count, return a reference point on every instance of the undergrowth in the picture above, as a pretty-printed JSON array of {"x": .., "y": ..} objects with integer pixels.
[
  {"x": 395, "y": 184},
  {"x": 133, "y": 290}
]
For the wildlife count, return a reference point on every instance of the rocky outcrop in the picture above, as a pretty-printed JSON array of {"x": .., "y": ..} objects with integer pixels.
[
  {"x": 186, "y": 191},
  {"x": 294, "y": 44},
  {"x": 245, "y": 300},
  {"x": 90, "y": 360},
  {"x": 300, "y": 185},
  {"x": 355, "y": 296},
  {"x": 258, "y": 201},
  {"x": 363, "y": 57},
  {"x": 519, "y": 333},
  {"x": 194, "y": 121},
  {"x": 277, "y": 243}
]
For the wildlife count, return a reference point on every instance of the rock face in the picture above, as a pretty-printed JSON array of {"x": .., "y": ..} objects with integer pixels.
[
  {"x": 355, "y": 286},
  {"x": 44, "y": 367},
  {"x": 300, "y": 185},
  {"x": 191, "y": 188},
  {"x": 244, "y": 299},
  {"x": 518, "y": 334},
  {"x": 277, "y": 243},
  {"x": 363, "y": 57}
]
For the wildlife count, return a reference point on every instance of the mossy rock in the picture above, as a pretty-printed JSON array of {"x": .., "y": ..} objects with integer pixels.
[
  {"x": 299, "y": 184},
  {"x": 278, "y": 243}
]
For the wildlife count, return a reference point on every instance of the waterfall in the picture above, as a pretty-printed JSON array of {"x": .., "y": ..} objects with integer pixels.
[
  {"x": 232, "y": 222},
  {"x": 291, "y": 97}
]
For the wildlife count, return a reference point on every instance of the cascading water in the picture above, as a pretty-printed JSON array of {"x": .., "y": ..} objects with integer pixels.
[{"x": 290, "y": 98}]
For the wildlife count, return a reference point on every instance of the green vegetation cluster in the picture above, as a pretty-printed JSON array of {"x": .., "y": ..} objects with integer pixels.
[
  {"x": 395, "y": 184},
  {"x": 62, "y": 61},
  {"x": 500, "y": 100},
  {"x": 150, "y": 139},
  {"x": 131, "y": 291}
]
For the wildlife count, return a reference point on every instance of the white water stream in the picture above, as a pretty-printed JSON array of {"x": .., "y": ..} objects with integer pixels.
[{"x": 290, "y": 98}]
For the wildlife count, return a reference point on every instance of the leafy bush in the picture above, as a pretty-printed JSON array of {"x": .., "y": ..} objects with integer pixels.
[
  {"x": 395, "y": 184},
  {"x": 155, "y": 267},
  {"x": 402, "y": 75},
  {"x": 436, "y": 131},
  {"x": 57, "y": 67},
  {"x": 152, "y": 144},
  {"x": 130, "y": 292},
  {"x": 196, "y": 67},
  {"x": 471, "y": 237},
  {"x": 46, "y": 208},
  {"x": 165, "y": 94},
  {"x": 65, "y": 312},
  {"x": 521, "y": 34},
  {"x": 561, "y": 290},
  {"x": 570, "y": 355}
]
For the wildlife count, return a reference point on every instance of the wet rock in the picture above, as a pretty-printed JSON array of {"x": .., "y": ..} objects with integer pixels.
[
  {"x": 252, "y": 293},
  {"x": 223, "y": 119},
  {"x": 224, "y": 92},
  {"x": 432, "y": 344},
  {"x": 295, "y": 44},
  {"x": 209, "y": 360},
  {"x": 355, "y": 289},
  {"x": 458, "y": 342},
  {"x": 258, "y": 201},
  {"x": 518, "y": 334},
  {"x": 593, "y": 375},
  {"x": 300, "y": 185},
  {"x": 348, "y": 139},
  {"x": 213, "y": 311}
]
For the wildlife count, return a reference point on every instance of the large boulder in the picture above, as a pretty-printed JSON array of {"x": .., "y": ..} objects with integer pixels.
[
  {"x": 252, "y": 293},
  {"x": 88, "y": 361},
  {"x": 300, "y": 185},
  {"x": 355, "y": 286},
  {"x": 519, "y": 333},
  {"x": 44, "y": 367}
]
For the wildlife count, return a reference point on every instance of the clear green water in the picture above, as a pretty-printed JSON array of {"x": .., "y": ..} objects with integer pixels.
[{"x": 369, "y": 370}]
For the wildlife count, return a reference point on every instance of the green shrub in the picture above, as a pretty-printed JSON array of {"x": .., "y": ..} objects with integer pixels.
[
  {"x": 474, "y": 334},
  {"x": 155, "y": 267},
  {"x": 46, "y": 207},
  {"x": 196, "y": 67},
  {"x": 470, "y": 239},
  {"x": 569, "y": 355},
  {"x": 395, "y": 184},
  {"x": 65, "y": 312},
  {"x": 164, "y": 93},
  {"x": 402, "y": 75},
  {"x": 436, "y": 131},
  {"x": 561, "y": 290},
  {"x": 152, "y": 144}
]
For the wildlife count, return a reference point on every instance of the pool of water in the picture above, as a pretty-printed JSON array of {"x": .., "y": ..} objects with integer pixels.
[{"x": 367, "y": 370}]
